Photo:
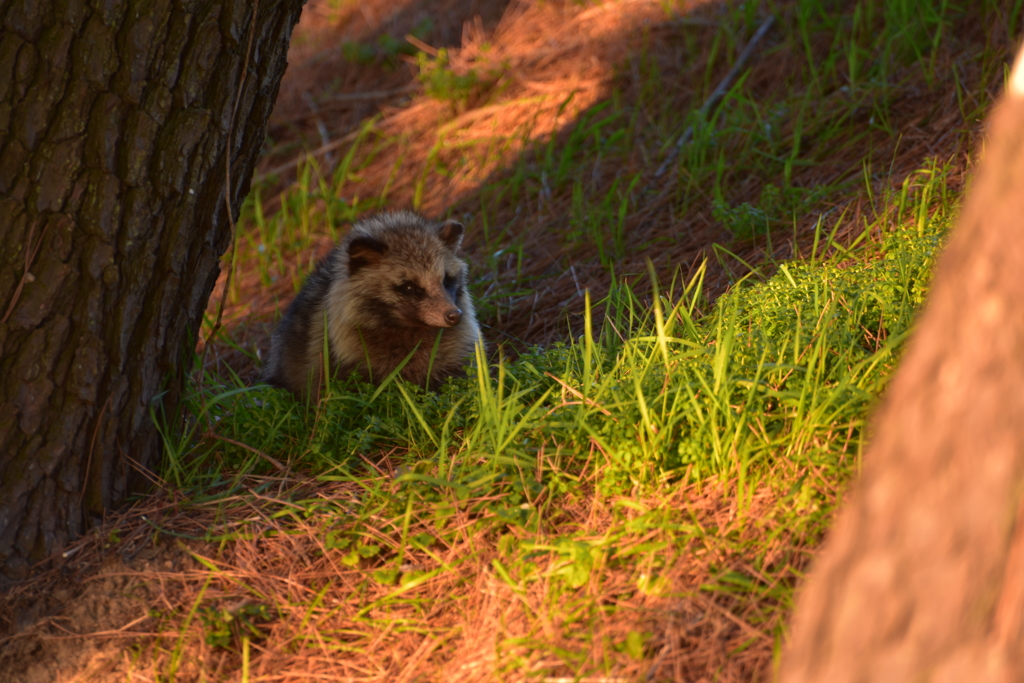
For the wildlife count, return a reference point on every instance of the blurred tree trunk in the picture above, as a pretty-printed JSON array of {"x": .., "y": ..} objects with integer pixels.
[
  {"x": 922, "y": 578},
  {"x": 114, "y": 122}
]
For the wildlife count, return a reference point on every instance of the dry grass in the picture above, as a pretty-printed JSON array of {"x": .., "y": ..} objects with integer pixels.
[{"x": 326, "y": 621}]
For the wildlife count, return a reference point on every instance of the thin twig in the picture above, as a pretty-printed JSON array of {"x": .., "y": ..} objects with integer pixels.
[
  {"x": 345, "y": 100},
  {"x": 577, "y": 394},
  {"x": 92, "y": 448},
  {"x": 289, "y": 165},
  {"x": 227, "y": 189},
  {"x": 321, "y": 127},
  {"x": 706, "y": 602},
  {"x": 273, "y": 461},
  {"x": 579, "y": 292},
  {"x": 27, "y": 276},
  {"x": 370, "y": 95},
  {"x": 719, "y": 93},
  {"x": 374, "y": 466},
  {"x": 694, "y": 21},
  {"x": 416, "y": 42},
  {"x": 653, "y": 671}
]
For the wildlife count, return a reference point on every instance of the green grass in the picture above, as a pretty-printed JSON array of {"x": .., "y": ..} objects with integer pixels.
[{"x": 654, "y": 385}]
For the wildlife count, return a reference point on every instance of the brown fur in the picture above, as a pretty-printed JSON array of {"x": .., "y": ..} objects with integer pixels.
[{"x": 386, "y": 291}]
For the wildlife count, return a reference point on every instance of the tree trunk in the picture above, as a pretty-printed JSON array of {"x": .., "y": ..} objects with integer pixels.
[
  {"x": 114, "y": 122},
  {"x": 922, "y": 577}
]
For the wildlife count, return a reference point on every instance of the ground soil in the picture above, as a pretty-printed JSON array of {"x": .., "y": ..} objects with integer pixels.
[{"x": 77, "y": 622}]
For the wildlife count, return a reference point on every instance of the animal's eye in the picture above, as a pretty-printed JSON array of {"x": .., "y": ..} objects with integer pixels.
[
  {"x": 449, "y": 281},
  {"x": 409, "y": 288}
]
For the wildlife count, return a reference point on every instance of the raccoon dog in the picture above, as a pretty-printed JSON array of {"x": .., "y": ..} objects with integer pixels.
[{"x": 386, "y": 291}]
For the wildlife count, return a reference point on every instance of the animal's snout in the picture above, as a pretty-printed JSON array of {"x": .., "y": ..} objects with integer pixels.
[{"x": 453, "y": 316}]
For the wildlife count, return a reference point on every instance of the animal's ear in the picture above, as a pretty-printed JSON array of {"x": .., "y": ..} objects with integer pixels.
[
  {"x": 363, "y": 252},
  {"x": 451, "y": 234}
]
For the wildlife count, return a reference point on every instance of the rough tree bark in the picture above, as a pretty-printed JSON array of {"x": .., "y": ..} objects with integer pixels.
[
  {"x": 114, "y": 121},
  {"x": 922, "y": 578}
]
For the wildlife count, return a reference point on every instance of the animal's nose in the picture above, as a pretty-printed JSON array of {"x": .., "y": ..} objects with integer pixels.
[{"x": 453, "y": 316}]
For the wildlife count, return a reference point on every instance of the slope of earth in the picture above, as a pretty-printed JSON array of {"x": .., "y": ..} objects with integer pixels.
[{"x": 554, "y": 133}]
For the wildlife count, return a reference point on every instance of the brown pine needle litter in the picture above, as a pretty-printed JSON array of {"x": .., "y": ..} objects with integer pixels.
[
  {"x": 542, "y": 126},
  {"x": 462, "y": 621}
]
